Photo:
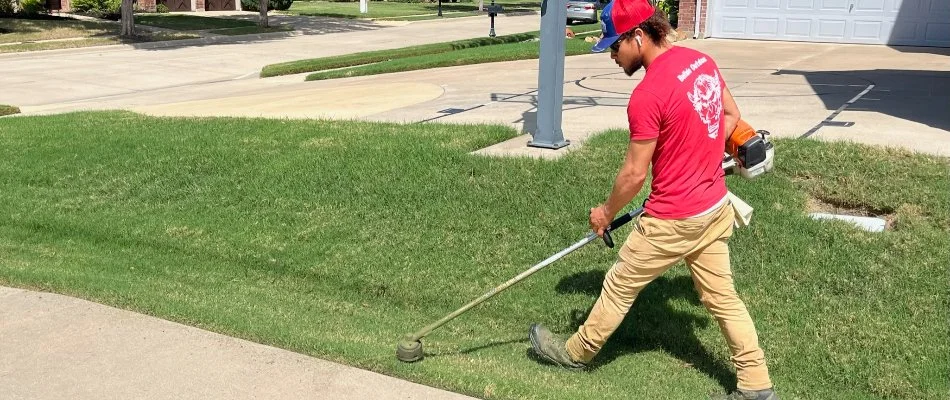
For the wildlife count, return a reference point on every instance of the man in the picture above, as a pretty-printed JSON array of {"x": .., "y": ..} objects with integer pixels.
[{"x": 679, "y": 116}]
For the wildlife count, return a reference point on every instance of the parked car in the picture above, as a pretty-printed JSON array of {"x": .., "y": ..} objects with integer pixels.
[{"x": 584, "y": 11}]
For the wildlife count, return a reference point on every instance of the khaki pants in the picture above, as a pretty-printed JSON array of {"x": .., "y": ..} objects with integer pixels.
[{"x": 653, "y": 247}]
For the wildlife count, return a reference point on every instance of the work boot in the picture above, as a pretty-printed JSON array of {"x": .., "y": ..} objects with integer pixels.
[
  {"x": 551, "y": 349},
  {"x": 740, "y": 394}
]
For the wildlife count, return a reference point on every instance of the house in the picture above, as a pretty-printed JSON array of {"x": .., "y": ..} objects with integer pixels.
[
  {"x": 194, "y": 5},
  {"x": 890, "y": 22}
]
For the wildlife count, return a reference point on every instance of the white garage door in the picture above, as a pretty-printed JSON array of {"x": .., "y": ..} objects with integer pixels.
[{"x": 895, "y": 22}]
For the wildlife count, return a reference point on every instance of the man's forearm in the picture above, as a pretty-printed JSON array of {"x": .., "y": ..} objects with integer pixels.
[
  {"x": 731, "y": 111},
  {"x": 626, "y": 187},
  {"x": 729, "y": 123}
]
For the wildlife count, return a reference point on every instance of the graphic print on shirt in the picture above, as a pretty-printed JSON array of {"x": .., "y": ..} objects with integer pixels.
[{"x": 707, "y": 101}]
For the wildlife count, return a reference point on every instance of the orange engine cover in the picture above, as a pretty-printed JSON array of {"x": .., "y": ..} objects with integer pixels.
[{"x": 745, "y": 145}]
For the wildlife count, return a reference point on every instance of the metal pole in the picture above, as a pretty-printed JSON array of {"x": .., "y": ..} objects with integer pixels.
[
  {"x": 551, "y": 76},
  {"x": 425, "y": 331},
  {"x": 491, "y": 15},
  {"x": 617, "y": 223},
  {"x": 440, "y": 8}
]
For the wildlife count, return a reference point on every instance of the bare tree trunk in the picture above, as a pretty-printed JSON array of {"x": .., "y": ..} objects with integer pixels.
[
  {"x": 128, "y": 22},
  {"x": 262, "y": 6}
]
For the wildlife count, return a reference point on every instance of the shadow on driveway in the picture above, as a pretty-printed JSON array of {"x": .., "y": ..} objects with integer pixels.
[{"x": 912, "y": 95}]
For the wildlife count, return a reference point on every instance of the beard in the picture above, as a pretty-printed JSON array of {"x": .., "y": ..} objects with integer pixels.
[{"x": 633, "y": 68}]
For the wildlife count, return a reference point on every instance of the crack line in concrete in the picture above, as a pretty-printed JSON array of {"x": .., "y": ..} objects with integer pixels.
[{"x": 829, "y": 120}]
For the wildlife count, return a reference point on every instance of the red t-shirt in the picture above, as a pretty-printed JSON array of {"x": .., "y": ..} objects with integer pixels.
[{"x": 679, "y": 103}]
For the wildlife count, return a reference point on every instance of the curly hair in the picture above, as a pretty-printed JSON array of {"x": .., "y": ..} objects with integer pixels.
[{"x": 657, "y": 28}]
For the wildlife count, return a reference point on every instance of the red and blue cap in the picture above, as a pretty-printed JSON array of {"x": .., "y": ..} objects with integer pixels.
[{"x": 618, "y": 17}]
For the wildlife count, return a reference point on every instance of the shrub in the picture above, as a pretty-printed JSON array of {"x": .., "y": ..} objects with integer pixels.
[
  {"x": 88, "y": 5},
  {"x": 671, "y": 8},
  {"x": 113, "y": 6},
  {"x": 107, "y": 9},
  {"x": 32, "y": 7},
  {"x": 251, "y": 5},
  {"x": 7, "y": 7},
  {"x": 161, "y": 8},
  {"x": 282, "y": 5},
  {"x": 8, "y": 110}
]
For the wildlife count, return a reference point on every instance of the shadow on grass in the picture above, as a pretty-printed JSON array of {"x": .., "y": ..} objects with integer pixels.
[
  {"x": 523, "y": 339},
  {"x": 314, "y": 26},
  {"x": 42, "y": 23},
  {"x": 470, "y": 350},
  {"x": 146, "y": 38},
  {"x": 85, "y": 30},
  {"x": 320, "y": 27},
  {"x": 653, "y": 324}
]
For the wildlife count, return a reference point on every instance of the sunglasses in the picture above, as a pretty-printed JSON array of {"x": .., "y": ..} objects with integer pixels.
[{"x": 615, "y": 47}]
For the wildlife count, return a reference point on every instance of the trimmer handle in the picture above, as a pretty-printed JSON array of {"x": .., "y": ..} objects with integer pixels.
[
  {"x": 609, "y": 241},
  {"x": 618, "y": 222}
]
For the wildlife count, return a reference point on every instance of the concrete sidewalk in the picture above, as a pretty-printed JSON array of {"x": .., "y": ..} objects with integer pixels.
[{"x": 58, "y": 347}]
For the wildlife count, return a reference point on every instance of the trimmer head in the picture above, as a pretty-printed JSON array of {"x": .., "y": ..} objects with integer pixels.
[{"x": 409, "y": 350}]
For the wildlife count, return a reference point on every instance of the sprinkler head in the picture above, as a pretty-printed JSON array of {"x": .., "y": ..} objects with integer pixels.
[{"x": 409, "y": 350}]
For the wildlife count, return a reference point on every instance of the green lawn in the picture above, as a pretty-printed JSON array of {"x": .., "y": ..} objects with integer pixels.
[
  {"x": 399, "y": 10},
  {"x": 29, "y": 30},
  {"x": 31, "y": 35},
  {"x": 181, "y": 22},
  {"x": 334, "y": 239},
  {"x": 477, "y": 55},
  {"x": 348, "y": 60}
]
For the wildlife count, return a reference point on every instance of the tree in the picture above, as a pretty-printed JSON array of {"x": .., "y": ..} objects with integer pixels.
[
  {"x": 128, "y": 23},
  {"x": 262, "y": 7}
]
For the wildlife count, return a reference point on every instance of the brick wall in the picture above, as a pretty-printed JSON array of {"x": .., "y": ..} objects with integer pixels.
[
  {"x": 146, "y": 5},
  {"x": 687, "y": 17},
  {"x": 200, "y": 5},
  {"x": 139, "y": 4}
]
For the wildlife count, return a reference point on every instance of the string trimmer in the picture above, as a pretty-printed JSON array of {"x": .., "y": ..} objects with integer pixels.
[{"x": 409, "y": 348}]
